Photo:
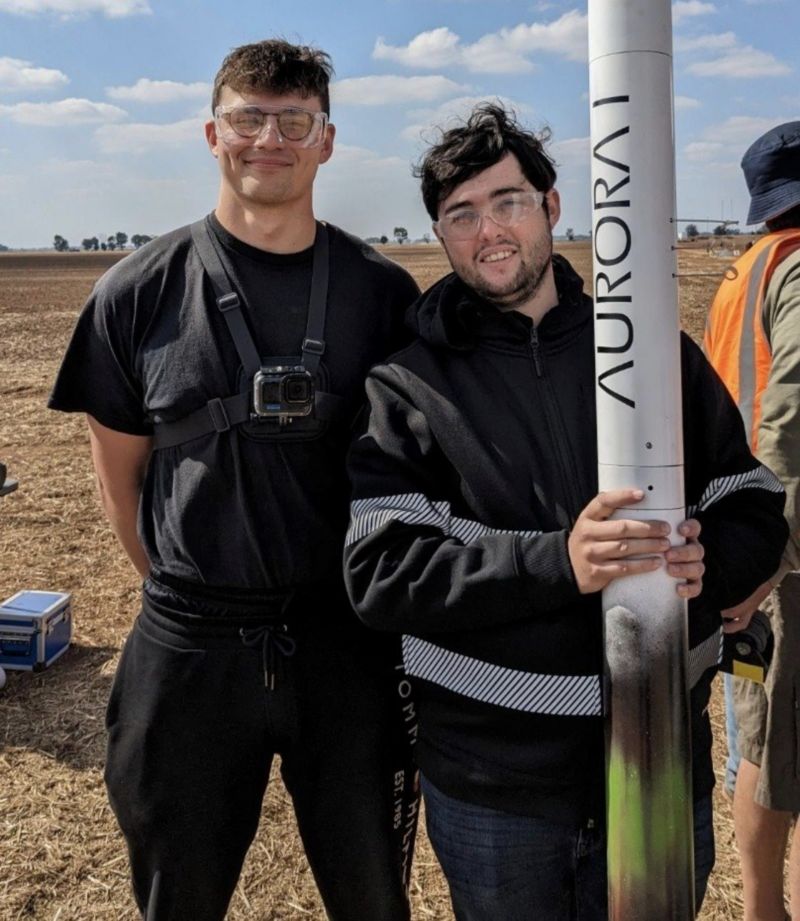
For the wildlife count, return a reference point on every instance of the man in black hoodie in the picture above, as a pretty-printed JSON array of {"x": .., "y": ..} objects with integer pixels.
[{"x": 477, "y": 532}]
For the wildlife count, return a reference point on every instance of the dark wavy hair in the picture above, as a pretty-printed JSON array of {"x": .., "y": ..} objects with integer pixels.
[
  {"x": 482, "y": 140},
  {"x": 276, "y": 66}
]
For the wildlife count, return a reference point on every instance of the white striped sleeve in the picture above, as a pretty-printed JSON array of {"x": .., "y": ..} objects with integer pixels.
[
  {"x": 368, "y": 515},
  {"x": 760, "y": 477}
]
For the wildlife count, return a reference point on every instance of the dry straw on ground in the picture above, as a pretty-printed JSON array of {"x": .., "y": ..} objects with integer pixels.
[{"x": 61, "y": 857}]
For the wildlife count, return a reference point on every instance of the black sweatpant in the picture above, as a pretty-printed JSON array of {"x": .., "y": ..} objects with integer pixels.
[{"x": 198, "y": 708}]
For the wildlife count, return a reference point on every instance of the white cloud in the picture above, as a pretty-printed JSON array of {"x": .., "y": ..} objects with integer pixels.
[
  {"x": 567, "y": 36},
  {"x": 62, "y": 113},
  {"x": 142, "y": 138},
  {"x": 733, "y": 59},
  {"x": 437, "y": 48},
  {"x": 496, "y": 54},
  {"x": 154, "y": 91},
  {"x": 725, "y": 142},
  {"x": 742, "y": 130},
  {"x": 686, "y": 102},
  {"x": 391, "y": 90},
  {"x": 743, "y": 62},
  {"x": 711, "y": 42},
  {"x": 504, "y": 51},
  {"x": 702, "y": 151},
  {"x": 687, "y": 9},
  {"x": 427, "y": 123},
  {"x": 16, "y": 74},
  {"x": 111, "y": 9}
]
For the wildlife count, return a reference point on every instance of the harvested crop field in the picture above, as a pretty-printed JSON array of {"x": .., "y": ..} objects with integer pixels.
[{"x": 61, "y": 857}]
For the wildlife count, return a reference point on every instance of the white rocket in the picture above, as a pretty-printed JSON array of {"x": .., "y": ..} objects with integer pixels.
[{"x": 639, "y": 432}]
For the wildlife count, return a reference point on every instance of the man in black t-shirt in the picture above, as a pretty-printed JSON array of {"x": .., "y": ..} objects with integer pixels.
[{"x": 221, "y": 367}]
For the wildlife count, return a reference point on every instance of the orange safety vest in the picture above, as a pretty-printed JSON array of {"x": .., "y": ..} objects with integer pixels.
[{"x": 734, "y": 341}]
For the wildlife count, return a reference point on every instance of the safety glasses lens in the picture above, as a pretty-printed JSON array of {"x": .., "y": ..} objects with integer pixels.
[{"x": 292, "y": 124}]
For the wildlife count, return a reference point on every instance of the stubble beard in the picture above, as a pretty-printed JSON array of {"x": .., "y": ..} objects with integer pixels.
[
  {"x": 265, "y": 193},
  {"x": 523, "y": 286}
]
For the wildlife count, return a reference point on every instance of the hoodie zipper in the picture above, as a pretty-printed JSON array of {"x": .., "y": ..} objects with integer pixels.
[
  {"x": 556, "y": 427},
  {"x": 537, "y": 360}
]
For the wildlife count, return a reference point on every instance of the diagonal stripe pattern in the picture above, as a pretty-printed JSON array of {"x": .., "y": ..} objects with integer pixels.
[
  {"x": 549, "y": 695},
  {"x": 705, "y": 655},
  {"x": 367, "y": 515},
  {"x": 759, "y": 478},
  {"x": 553, "y": 695}
]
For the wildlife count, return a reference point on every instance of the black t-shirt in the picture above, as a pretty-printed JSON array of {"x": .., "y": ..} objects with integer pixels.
[{"x": 261, "y": 507}]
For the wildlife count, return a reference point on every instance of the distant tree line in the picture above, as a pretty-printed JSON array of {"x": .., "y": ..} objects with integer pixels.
[
  {"x": 115, "y": 241},
  {"x": 721, "y": 230},
  {"x": 400, "y": 235}
]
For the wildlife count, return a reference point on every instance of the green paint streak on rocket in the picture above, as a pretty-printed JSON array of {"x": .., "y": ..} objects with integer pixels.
[
  {"x": 648, "y": 818},
  {"x": 626, "y": 819}
]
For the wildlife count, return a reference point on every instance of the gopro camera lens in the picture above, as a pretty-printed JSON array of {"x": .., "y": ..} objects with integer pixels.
[{"x": 297, "y": 390}]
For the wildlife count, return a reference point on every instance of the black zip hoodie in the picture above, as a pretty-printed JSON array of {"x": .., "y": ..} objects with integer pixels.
[{"x": 478, "y": 456}]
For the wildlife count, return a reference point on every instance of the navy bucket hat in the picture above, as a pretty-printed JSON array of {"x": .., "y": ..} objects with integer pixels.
[{"x": 772, "y": 171}]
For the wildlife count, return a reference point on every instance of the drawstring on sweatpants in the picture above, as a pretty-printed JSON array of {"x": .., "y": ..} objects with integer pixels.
[{"x": 274, "y": 641}]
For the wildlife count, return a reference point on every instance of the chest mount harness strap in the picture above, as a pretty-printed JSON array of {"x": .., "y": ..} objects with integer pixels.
[{"x": 222, "y": 413}]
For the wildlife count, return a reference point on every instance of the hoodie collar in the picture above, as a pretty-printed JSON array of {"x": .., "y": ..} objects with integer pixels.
[{"x": 450, "y": 314}]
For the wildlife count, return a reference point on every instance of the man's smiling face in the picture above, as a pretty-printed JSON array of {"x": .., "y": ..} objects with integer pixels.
[
  {"x": 504, "y": 265},
  {"x": 267, "y": 170}
]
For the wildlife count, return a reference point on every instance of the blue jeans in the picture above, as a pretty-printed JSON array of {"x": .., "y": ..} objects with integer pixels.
[
  {"x": 503, "y": 867},
  {"x": 732, "y": 733}
]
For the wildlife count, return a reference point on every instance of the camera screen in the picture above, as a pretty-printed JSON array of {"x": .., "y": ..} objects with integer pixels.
[{"x": 271, "y": 392}]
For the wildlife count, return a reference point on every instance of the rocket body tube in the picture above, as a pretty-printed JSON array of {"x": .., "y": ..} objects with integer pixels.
[{"x": 639, "y": 433}]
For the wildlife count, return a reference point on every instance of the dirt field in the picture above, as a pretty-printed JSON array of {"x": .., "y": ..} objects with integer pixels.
[{"x": 60, "y": 854}]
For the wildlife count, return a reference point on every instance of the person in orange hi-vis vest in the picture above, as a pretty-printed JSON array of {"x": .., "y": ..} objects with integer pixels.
[{"x": 753, "y": 340}]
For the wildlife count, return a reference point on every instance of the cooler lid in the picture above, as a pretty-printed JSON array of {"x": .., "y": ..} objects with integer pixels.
[{"x": 31, "y": 601}]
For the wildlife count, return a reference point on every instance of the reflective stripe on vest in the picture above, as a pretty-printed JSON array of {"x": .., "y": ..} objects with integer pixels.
[{"x": 735, "y": 341}]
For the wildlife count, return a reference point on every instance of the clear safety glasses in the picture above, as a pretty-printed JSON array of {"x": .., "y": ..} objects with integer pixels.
[
  {"x": 298, "y": 127},
  {"x": 506, "y": 211}
]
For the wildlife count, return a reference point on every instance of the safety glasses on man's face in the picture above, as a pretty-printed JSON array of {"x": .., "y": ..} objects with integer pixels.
[
  {"x": 464, "y": 223},
  {"x": 297, "y": 127}
]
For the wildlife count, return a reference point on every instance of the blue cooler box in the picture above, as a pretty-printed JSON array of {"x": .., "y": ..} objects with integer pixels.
[{"x": 35, "y": 629}]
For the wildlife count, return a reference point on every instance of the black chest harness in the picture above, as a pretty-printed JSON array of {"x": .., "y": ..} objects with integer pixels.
[{"x": 222, "y": 413}]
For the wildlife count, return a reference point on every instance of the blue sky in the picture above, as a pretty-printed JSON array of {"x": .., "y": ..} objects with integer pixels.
[{"x": 102, "y": 102}]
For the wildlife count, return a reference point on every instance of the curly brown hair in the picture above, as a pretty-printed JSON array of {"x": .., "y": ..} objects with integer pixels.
[
  {"x": 484, "y": 139},
  {"x": 276, "y": 66}
]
